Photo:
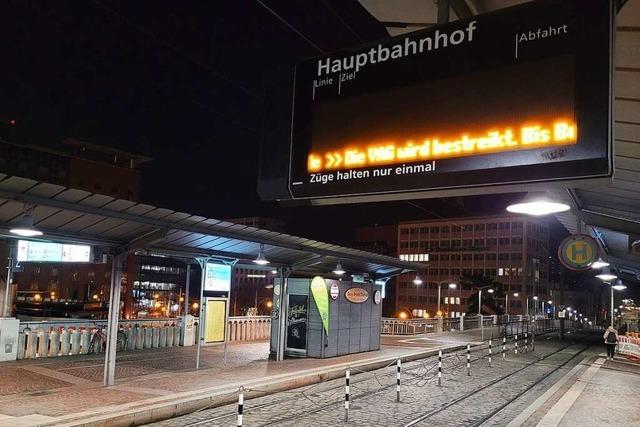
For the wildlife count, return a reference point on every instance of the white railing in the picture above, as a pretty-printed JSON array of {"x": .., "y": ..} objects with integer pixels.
[
  {"x": 69, "y": 337},
  {"x": 249, "y": 328}
]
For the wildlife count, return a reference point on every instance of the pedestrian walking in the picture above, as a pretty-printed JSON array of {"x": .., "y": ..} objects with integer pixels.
[{"x": 611, "y": 339}]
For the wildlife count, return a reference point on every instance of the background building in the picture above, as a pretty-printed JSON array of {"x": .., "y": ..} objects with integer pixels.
[{"x": 513, "y": 250}]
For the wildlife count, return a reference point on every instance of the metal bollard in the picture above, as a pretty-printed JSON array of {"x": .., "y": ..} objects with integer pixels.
[
  {"x": 515, "y": 349},
  {"x": 346, "y": 396},
  {"x": 526, "y": 343},
  {"x": 468, "y": 359},
  {"x": 399, "y": 366},
  {"x": 504, "y": 347},
  {"x": 440, "y": 367},
  {"x": 240, "y": 406},
  {"x": 490, "y": 352}
]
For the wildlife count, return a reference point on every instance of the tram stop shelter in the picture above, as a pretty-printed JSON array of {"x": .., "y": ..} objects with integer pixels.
[{"x": 118, "y": 227}]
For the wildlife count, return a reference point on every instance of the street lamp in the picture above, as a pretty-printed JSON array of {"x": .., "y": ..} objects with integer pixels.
[
  {"x": 451, "y": 286},
  {"x": 506, "y": 303},
  {"x": 619, "y": 286}
]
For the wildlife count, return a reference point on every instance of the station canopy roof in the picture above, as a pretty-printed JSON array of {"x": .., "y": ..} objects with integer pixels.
[{"x": 71, "y": 215}]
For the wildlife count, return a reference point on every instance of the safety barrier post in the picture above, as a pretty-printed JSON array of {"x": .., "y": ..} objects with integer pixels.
[
  {"x": 399, "y": 365},
  {"x": 240, "y": 405},
  {"x": 440, "y": 367},
  {"x": 346, "y": 396},
  {"x": 490, "y": 352},
  {"x": 468, "y": 359},
  {"x": 504, "y": 347},
  {"x": 526, "y": 343},
  {"x": 515, "y": 349}
]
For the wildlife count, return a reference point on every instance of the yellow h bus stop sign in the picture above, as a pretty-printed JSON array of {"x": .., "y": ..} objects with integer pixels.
[{"x": 578, "y": 252}]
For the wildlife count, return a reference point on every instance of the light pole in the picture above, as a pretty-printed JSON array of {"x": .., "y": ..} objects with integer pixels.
[
  {"x": 506, "y": 295},
  {"x": 451, "y": 286}
]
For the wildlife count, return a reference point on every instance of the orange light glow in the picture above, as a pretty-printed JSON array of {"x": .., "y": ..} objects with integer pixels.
[
  {"x": 527, "y": 136},
  {"x": 439, "y": 313},
  {"x": 37, "y": 297},
  {"x": 403, "y": 315},
  {"x": 269, "y": 304},
  {"x": 425, "y": 315}
]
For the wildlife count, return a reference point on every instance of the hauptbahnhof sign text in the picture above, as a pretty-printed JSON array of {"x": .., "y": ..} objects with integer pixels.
[{"x": 516, "y": 96}]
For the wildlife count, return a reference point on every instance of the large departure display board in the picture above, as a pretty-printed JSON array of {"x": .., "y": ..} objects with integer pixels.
[{"x": 516, "y": 96}]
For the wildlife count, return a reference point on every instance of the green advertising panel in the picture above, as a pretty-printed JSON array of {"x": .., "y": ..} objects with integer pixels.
[{"x": 321, "y": 297}]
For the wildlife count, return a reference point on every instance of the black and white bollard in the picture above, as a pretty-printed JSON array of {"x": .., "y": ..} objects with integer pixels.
[
  {"x": 468, "y": 359},
  {"x": 440, "y": 367},
  {"x": 240, "y": 405},
  {"x": 504, "y": 347},
  {"x": 515, "y": 348},
  {"x": 526, "y": 343},
  {"x": 399, "y": 366},
  {"x": 489, "y": 352},
  {"x": 346, "y": 395}
]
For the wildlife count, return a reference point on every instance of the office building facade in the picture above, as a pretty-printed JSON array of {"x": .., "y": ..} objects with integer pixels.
[{"x": 512, "y": 250}]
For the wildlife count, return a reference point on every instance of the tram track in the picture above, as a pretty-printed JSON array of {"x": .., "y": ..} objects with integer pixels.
[
  {"x": 477, "y": 422},
  {"x": 340, "y": 386}
]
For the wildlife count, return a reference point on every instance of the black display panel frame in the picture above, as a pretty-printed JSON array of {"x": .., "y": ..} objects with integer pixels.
[{"x": 494, "y": 49}]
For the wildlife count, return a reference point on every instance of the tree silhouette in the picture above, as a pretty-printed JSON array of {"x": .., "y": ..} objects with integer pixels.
[{"x": 490, "y": 301}]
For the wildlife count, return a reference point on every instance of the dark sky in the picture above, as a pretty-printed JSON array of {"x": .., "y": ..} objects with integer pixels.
[{"x": 181, "y": 82}]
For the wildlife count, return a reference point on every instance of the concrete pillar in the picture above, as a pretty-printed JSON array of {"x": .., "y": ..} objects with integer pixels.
[
  {"x": 85, "y": 338},
  {"x": 462, "y": 323},
  {"x": 54, "y": 344},
  {"x": 65, "y": 342},
  {"x": 22, "y": 341},
  {"x": 43, "y": 343},
  {"x": 155, "y": 339},
  {"x": 440, "y": 324},
  {"x": 163, "y": 336},
  {"x": 148, "y": 336},
  {"x": 75, "y": 342},
  {"x": 139, "y": 338},
  {"x": 131, "y": 338},
  {"x": 32, "y": 344},
  {"x": 170, "y": 335},
  {"x": 176, "y": 335}
]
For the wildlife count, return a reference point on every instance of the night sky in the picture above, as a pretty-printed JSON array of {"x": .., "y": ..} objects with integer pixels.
[{"x": 183, "y": 85}]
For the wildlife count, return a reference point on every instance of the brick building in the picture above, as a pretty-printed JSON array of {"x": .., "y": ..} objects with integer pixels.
[{"x": 511, "y": 249}]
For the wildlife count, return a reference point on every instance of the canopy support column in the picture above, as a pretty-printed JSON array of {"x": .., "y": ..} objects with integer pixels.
[
  {"x": 282, "y": 319},
  {"x": 112, "y": 324}
]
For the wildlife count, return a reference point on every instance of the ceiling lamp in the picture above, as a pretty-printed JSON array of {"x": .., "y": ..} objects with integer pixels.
[
  {"x": 339, "y": 270},
  {"x": 606, "y": 275},
  {"x": 452, "y": 286},
  {"x": 417, "y": 280},
  {"x": 619, "y": 286},
  {"x": 537, "y": 204},
  {"x": 26, "y": 227},
  {"x": 600, "y": 263},
  {"x": 261, "y": 260},
  {"x": 490, "y": 290}
]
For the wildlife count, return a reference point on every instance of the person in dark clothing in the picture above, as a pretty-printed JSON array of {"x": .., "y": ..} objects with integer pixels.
[{"x": 611, "y": 339}]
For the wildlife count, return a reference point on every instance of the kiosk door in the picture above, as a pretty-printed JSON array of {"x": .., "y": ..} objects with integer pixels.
[{"x": 297, "y": 319}]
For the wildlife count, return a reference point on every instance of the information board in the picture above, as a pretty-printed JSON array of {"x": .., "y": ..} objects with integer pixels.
[
  {"x": 217, "y": 277},
  {"x": 519, "y": 95},
  {"x": 30, "y": 251}
]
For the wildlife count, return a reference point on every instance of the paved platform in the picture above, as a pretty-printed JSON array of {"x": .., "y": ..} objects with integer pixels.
[
  {"x": 159, "y": 383},
  {"x": 596, "y": 392}
]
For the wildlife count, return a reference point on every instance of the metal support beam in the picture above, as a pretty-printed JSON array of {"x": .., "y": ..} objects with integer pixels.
[
  {"x": 443, "y": 11},
  {"x": 282, "y": 319},
  {"x": 112, "y": 325},
  {"x": 186, "y": 291},
  {"x": 203, "y": 264},
  {"x": 6, "y": 309}
]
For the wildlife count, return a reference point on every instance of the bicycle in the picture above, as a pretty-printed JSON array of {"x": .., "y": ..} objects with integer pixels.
[{"x": 98, "y": 334}]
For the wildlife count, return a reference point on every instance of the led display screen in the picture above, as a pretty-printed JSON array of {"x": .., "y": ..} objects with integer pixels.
[
  {"x": 217, "y": 277},
  {"x": 29, "y": 251},
  {"x": 516, "y": 96}
]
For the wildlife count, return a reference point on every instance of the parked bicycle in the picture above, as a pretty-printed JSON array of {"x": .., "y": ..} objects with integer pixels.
[{"x": 99, "y": 336}]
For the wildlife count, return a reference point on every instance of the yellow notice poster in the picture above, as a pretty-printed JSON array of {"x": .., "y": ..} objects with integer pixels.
[{"x": 215, "y": 326}]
